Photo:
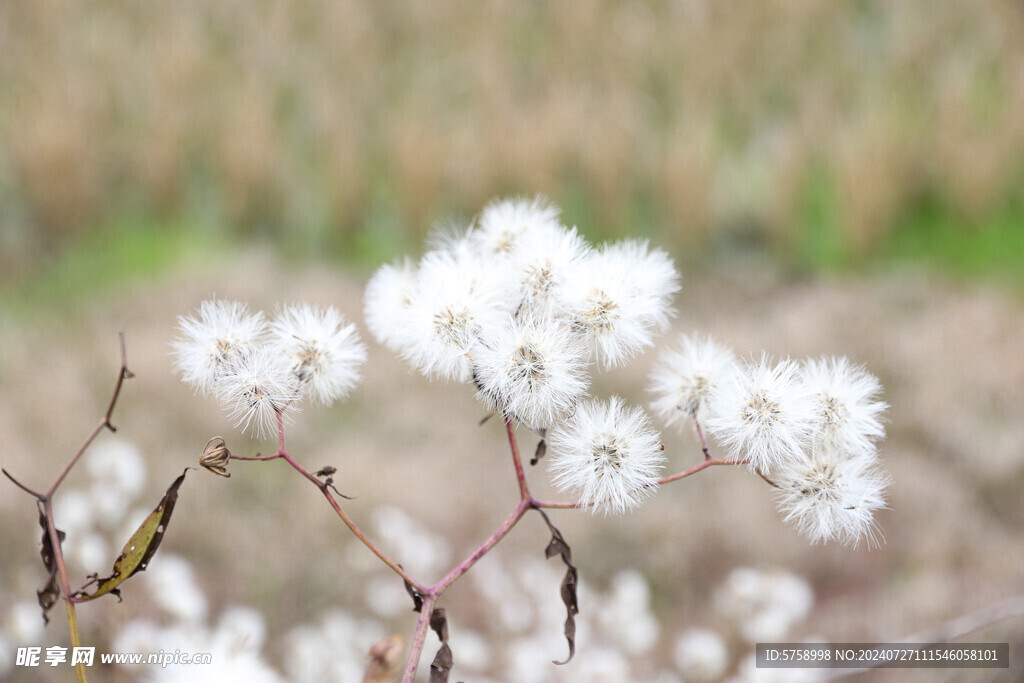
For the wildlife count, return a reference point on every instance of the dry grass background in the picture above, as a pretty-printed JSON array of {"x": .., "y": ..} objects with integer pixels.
[
  {"x": 344, "y": 128},
  {"x": 317, "y": 119}
]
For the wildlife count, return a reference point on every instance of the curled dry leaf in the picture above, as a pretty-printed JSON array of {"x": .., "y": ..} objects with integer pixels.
[
  {"x": 50, "y": 592},
  {"x": 139, "y": 549},
  {"x": 442, "y": 663},
  {"x": 558, "y": 546}
]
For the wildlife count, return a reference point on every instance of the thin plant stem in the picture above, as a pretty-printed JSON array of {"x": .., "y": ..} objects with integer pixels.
[
  {"x": 104, "y": 423},
  {"x": 353, "y": 527},
  {"x": 485, "y": 547},
  {"x": 708, "y": 462},
  {"x": 418, "y": 640},
  {"x": 45, "y": 504},
  {"x": 700, "y": 433},
  {"x": 65, "y": 585},
  {"x": 524, "y": 490}
]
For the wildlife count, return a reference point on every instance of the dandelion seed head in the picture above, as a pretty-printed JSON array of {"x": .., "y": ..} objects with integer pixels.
[
  {"x": 321, "y": 350},
  {"x": 544, "y": 259},
  {"x": 609, "y": 453},
  {"x": 534, "y": 370},
  {"x": 389, "y": 294},
  {"x": 831, "y": 495},
  {"x": 258, "y": 390},
  {"x": 762, "y": 412},
  {"x": 618, "y": 302},
  {"x": 454, "y": 299},
  {"x": 847, "y": 412},
  {"x": 220, "y": 335},
  {"x": 503, "y": 223},
  {"x": 682, "y": 379}
]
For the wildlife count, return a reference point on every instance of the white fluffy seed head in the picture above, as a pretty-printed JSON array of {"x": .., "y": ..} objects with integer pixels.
[
  {"x": 847, "y": 412},
  {"x": 259, "y": 389},
  {"x": 387, "y": 300},
  {"x": 682, "y": 379},
  {"x": 322, "y": 351},
  {"x": 619, "y": 298},
  {"x": 762, "y": 412},
  {"x": 215, "y": 339},
  {"x": 610, "y": 454},
  {"x": 454, "y": 298},
  {"x": 503, "y": 223},
  {"x": 832, "y": 495},
  {"x": 543, "y": 261},
  {"x": 534, "y": 370}
]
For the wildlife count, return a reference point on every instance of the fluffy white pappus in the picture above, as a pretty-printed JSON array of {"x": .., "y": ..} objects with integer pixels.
[
  {"x": 454, "y": 298},
  {"x": 830, "y": 495},
  {"x": 533, "y": 370},
  {"x": 619, "y": 298},
  {"x": 847, "y": 412},
  {"x": 609, "y": 453},
  {"x": 386, "y": 302},
  {"x": 682, "y": 379},
  {"x": 544, "y": 259},
  {"x": 761, "y": 411},
  {"x": 220, "y": 335},
  {"x": 260, "y": 388},
  {"x": 503, "y": 223},
  {"x": 651, "y": 277},
  {"x": 321, "y": 350}
]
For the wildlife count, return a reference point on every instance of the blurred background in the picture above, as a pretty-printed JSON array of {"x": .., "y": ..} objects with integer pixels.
[{"x": 830, "y": 177}]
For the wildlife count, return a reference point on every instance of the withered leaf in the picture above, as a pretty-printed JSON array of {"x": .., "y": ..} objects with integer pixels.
[
  {"x": 542, "y": 449},
  {"x": 442, "y": 663},
  {"x": 50, "y": 592},
  {"x": 417, "y": 599},
  {"x": 140, "y": 548},
  {"x": 558, "y": 546}
]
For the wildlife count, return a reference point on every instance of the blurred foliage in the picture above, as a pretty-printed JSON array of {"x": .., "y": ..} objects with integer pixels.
[{"x": 826, "y": 133}]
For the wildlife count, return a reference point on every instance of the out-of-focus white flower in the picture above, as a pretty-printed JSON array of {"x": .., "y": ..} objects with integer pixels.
[
  {"x": 91, "y": 551},
  {"x": 23, "y": 622},
  {"x": 847, "y": 411},
  {"x": 172, "y": 584},
  {"x": 762, "y": 412},
  {"x": 701, "y": 654},
  {"x": 683, "y": 379},
  {"x": 628, "y": 621},
  {"x": 234, "y": 649},
  {"x": 764, "y": 605},
  {"x": 260, "y": 388},
  {"x": 387, "y": 300},
  {"x": 77, "y": 511},
  {"x": 454, "y": 298},
  {"x": 533, "y": 370},
  {"x": 220, "y": 336},
  {"x": 609, "y": 453},
  {"x": 619, "y": 297},
  {"x": 829, "y": 494},
  {"x": 502, "y": 224},
  {"x": 544, "y": 260},
  {"x": 321, "y": 350},
  {"x": 335, "y": 649},
  {"x": 117, "y": 463}
]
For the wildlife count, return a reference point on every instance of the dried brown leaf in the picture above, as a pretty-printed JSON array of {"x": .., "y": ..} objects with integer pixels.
[{"x": 140, "y": 548}]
